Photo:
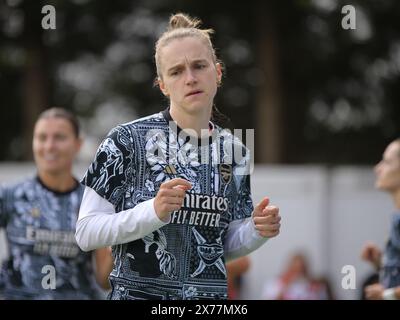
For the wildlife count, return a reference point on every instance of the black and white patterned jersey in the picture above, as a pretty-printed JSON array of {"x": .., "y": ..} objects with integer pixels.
[
  {"x": 183, "y": 259},
  {"x": 390, "y": 273},
  {"x": 44, "y": 260}
]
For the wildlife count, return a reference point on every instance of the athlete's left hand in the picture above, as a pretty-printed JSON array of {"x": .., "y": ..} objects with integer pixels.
[
  {"x": 266, "y": 219},
  {"x": 374, "y": 291}
]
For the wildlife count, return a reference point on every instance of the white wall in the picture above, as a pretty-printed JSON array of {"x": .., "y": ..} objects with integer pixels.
[
  {"x": 298, "y": 193},
  {"x": 358, "y": 213},
  {"x": 328, "y": 213}
]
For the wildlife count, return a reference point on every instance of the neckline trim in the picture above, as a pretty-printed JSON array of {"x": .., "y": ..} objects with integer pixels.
[
  {"x": 167, "y": 116},
  {"x": 61, "y": 193}
]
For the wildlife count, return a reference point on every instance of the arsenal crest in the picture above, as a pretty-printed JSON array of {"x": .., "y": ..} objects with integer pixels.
[
  {"x": 225, "y": 171},
  {"x": 35, "y": 212},
  {"x": 170, "y": 169}
]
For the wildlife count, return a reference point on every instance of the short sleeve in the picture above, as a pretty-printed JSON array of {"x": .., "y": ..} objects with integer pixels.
[
  {"x": 242, "y": 171},
  {"x": 111, "y": 169},
  {"x": 3, "y": 209},
  {"x": 395, "y": 232},
  {"x": 244, "y": 203}
]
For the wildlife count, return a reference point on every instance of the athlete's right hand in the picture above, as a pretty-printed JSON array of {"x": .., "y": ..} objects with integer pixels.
[
  {"x": 372, "y": 254},
  {"x": 170, "y": 197}
]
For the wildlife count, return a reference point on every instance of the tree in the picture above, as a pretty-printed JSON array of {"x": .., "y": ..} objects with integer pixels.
[{"x": 313, "y": 91}]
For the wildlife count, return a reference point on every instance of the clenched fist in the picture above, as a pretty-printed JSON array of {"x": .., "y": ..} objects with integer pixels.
[
  {"x": 170, "y": 197},
  {"x": 266, "y": 219},
  {"x": 374, "y": 291},
  {"x": 372, "y": 254}
]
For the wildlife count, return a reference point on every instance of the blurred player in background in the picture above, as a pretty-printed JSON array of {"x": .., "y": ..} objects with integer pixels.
[
  {"x": 388, "y": 180},
  {"x": 39, "y": 217}
]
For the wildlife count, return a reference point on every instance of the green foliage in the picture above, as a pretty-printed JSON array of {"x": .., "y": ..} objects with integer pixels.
[{"x": 339, "y": 88}]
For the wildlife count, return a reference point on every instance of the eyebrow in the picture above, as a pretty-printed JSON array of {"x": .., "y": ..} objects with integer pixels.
[{"x": 179, "y": 65}]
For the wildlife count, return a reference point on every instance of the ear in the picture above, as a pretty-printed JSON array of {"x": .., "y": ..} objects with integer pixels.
[
  {"x": 218, "y": 68},
  {"x": 163, "y": 89}
]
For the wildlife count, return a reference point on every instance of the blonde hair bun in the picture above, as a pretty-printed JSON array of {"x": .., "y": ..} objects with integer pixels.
[{"x": 182, "y": 20}]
